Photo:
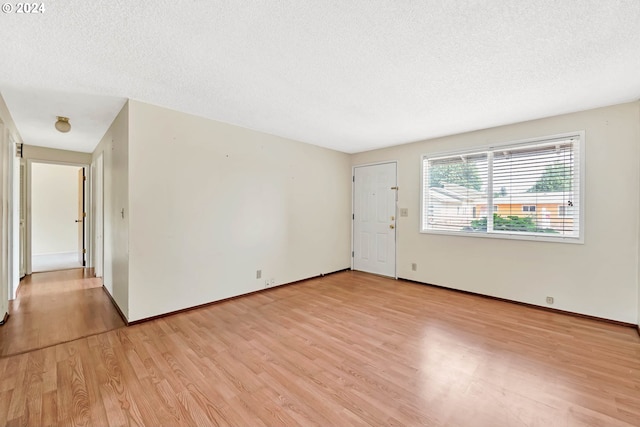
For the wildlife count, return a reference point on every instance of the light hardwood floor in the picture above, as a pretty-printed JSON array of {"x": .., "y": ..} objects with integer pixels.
[
  {"x": 56, "y": 307},
  {"x": 346, "y": 349}
]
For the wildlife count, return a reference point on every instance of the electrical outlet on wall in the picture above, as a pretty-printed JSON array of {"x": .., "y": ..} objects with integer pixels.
[
  {"x": 258, "y": 274},
  {"x": 549, "y": 300},
  {"x": 414, "y": 266}
]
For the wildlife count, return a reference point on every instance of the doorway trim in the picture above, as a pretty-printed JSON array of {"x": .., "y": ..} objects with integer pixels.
[
  {"x": 5, "y": 225},
  {"x": 353, "y": 203},
  {"x": 97, "y": 208},
  {"x": 87, "y": 206}
]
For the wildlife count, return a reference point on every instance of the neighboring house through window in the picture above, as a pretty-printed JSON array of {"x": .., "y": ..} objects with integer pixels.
[
  {"x": 533, "y": 188},
  {"x": 564, "y": 210}
]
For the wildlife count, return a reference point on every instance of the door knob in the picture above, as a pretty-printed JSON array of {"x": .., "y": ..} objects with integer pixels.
[{"x": 391, "y": 226}]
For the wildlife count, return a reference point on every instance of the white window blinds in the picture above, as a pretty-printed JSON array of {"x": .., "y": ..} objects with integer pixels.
[
  {"x": 531, "y": 190},
  {"x": 457, "y": 191}
]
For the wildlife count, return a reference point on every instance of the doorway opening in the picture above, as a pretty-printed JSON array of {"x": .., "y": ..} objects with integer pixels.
[{"x": 58, "y": 217}]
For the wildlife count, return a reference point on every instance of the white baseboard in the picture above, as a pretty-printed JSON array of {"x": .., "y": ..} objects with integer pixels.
[{"x": 56, "y": 261}]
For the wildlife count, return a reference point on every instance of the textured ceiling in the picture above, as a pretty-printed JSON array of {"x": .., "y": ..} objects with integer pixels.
[
  {"x": 35, "y": 112},
  {"x": 349, "y": 75}
]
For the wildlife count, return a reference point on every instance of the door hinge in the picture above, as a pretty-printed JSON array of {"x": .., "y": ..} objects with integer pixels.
[
  {"x": 352, "y": 254},
  {"x": 353, "y": 178},
  {"x": 84, "y": 214},
  {"x": 84, "y": 178},
  {"x": 84, "y": 251},
  {"x": 353, "y": 216}
]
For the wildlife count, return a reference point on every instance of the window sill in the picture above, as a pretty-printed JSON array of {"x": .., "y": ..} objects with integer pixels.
[{"x": 510, "y": 236}]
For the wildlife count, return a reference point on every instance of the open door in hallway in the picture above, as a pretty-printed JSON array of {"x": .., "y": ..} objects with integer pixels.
[{"x": 374, "y": 219}]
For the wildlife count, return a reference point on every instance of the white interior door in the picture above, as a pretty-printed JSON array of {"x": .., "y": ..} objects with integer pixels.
[{"x": 374, "y": 219}]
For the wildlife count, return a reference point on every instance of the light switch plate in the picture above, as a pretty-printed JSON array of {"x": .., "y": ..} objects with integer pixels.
[{"x": 404, "y": 212}]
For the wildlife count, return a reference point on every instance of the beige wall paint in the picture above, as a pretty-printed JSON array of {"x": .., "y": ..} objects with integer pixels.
[
  {"x": 115, "y": 148},
  {"x": 31, "y": 152},
  {"x": 211, "y": 203},
  {"x": 599, "y": 278},
  {"x": 54, "y": 208}
]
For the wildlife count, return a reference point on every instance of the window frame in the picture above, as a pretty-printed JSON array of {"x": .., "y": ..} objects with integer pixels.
[{"x": 489, "y": 149}]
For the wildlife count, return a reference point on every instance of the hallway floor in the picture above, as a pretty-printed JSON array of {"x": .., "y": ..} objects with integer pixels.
[{"x": 56, "y": 307}]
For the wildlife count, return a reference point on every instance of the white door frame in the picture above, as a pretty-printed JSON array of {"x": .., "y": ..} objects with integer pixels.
[
  {"x": 21, "y": 197},
  {"x": 14, "y": 217},
  {"x": 87, "y": 200},
  {"x": 9, "y": 222},
  {"x": 353, "y": 202},
  {"x": 5, "y": 225},
  {"x": 97, "y": 205}
]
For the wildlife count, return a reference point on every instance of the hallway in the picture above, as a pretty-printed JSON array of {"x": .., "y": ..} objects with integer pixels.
[{"x": 56, "y": 307}]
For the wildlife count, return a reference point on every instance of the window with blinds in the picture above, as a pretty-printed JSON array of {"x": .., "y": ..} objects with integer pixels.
[{"x": 519, "y": 190}]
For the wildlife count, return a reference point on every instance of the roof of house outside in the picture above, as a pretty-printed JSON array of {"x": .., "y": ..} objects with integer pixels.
[{"x": 457, "y": 194}]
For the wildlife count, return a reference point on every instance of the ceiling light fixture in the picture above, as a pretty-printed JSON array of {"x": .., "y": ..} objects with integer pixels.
[{"x": 63, "y": 124}]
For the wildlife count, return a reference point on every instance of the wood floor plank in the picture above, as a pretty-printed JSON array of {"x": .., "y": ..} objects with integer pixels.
[
  {"x": 5, "y": 400},
  {"x": 49, "y": 412},
  {"x": 8, "y": 373},
  {"x": 19, "y": 396},
  {"x": 34, "y": 379},
  {"x": 91, "y": 383},
  {"x": 345, "y": 349},
  {"x": 198, "y": 413},
  {"x": 179, "y": 415}
]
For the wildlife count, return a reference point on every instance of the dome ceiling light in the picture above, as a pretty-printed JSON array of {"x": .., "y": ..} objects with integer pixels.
[{"x": 63, "y": 124}]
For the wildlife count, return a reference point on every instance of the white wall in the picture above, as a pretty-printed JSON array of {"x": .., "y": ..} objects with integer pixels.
[
  {"x": 54, "y": 208},
  {"x": 211, "y": 203},
  {"x": 599, "y": 278},
  {"x": 31, "y": 152},
  {"x": 8, "y": 252},
  {"x": 114, "y": 146}
]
